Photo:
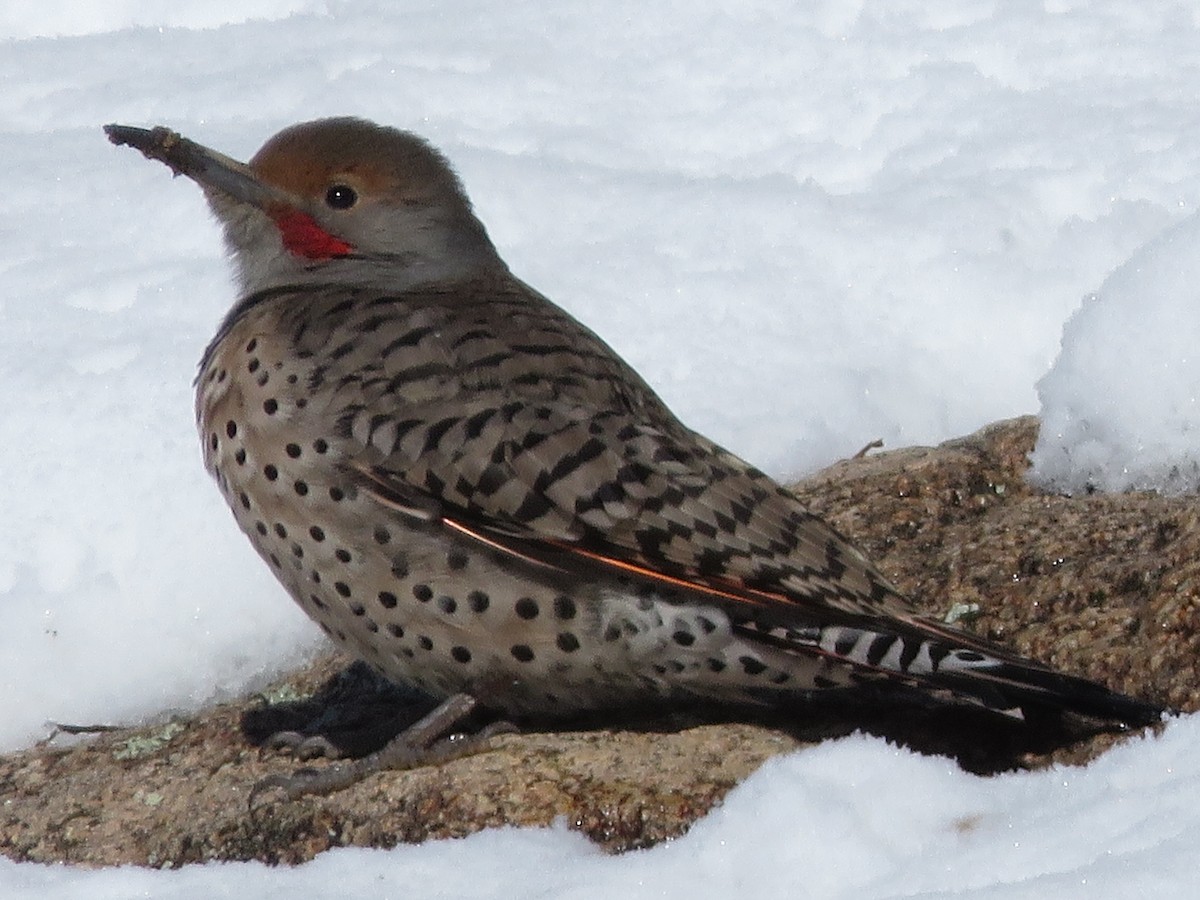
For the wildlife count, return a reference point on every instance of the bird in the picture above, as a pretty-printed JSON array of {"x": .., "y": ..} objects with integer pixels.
[{"x": 470, "y": 491}]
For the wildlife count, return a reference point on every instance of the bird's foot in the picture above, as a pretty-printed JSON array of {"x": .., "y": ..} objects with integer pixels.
[
  {"x": 430, "y": 741},
  {"x": 356, "y": 712},
  {"x": 304, "y": 746}
]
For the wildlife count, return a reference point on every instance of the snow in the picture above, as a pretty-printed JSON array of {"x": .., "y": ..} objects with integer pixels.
[
  {"x": 808, "y": 225},
  {"x": 852, "y": 818},
  {"x": 1119, "y": 406}
]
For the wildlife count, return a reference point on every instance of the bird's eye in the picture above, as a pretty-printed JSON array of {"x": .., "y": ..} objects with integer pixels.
[{"x": 340, "y": 196}]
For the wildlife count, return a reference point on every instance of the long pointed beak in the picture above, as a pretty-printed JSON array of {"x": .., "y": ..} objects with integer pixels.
[{"x": 206, "y": 167}]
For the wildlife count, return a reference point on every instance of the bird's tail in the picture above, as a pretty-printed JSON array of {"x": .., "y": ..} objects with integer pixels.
[{"x": 956, "y": 667}]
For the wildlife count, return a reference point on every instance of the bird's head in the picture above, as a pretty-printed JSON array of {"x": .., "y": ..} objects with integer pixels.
[{"x": 333, "y": 200}]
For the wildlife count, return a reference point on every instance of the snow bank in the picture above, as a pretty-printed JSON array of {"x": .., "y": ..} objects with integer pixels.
[{"x": 1119, "y": 407}]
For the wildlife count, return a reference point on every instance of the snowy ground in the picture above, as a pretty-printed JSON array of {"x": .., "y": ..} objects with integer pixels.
[{"x": 809, "y": 225}]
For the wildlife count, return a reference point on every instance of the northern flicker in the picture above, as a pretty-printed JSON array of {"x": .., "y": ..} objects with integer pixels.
[{"x": 469, "y": 490}]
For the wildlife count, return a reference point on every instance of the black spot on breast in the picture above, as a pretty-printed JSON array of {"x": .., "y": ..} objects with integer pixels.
[
  {"x": 567, "y": 642},
  {"x": 752, "y": 666},
  {"x": 527, "y": 608}
]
